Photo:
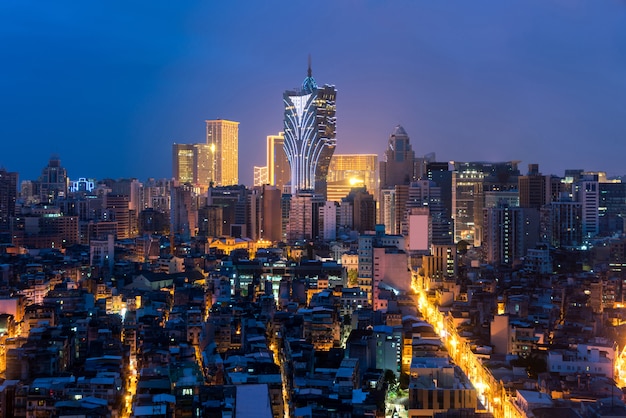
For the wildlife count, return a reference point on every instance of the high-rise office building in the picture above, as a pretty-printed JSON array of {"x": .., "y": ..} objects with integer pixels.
[
  {"x": 184, "y": 211},
  {"x": 387, "y": 214},
  {"x": 310, "y": 142},
  {"x": 234, "y": 203},
  {"x": 254, "y": 213},
  {"x": 398, "y": 166},
  {"x": 611, "y": 206},
  {"x": 304, "y": 217},
  {"x": 441, "y": 262},
  {"x": 53, "y": 182},
  {"x": 278, "y": 171},
  {"x": 210, "y": 221},
  {"x": 362, "y": 206},
  {"x": 8, "y": 196},
  {"x": 122, "y": 199},
  {"x": 193, "y": 164},
  {"x": 587, "y": 190},
  {"x": 368, "y": 262},
  {"x": 534, "y": 189},
  {"x": 45, "y": 227},
  {"x": 183, "y": 162},
  {"x": 157, "y": 194},
  {"x": 401, "y": 196},
  {"x": 469, "y": 182},
  {"x": 222, "y": 137},
  {"x": 117, "y": 205},
  {"x": 561, "y": 223},
  {"x": 271, "y": 221},
  {"x": 348, "y": 171},
  {"x": 426, "y": 195},
  {"x": 260, "y": 176},
  {"x": 28, "y": 192},
  {"x": 440, "y": 173},
  {"x": 328, "y": 220},
  {"x": 202, "y": 164},
  {"x": 508, "y": 233}
]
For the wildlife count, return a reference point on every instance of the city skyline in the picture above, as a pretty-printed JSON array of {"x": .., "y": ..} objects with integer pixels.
[{"x": 470, "y": 82}]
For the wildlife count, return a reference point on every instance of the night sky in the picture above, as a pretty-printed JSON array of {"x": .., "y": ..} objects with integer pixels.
[{"x": 110, "y": 85}]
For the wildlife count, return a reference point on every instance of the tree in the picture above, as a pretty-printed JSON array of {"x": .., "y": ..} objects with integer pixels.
[
  {"x": 353, "y": 277},
  {"x": 404, "y": 381},
  {"x": 390, "y": 378}
]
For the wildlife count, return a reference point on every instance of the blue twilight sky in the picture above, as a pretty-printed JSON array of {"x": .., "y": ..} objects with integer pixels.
[{"x": 110, "y": 85}]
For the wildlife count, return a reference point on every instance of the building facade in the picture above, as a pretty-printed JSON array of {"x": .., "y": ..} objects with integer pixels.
[
  {"x": 184, "y": 211},
  {"x": 561, "y": 224},
  {"x": 395, "y": 171},
  {"x": 260, "y": 175},
  {"x": 278, "y": 171},
  {"x": 398, "y": 167},
  {"x": 304, "y": 217},
  {"x": 534, "y": 188},
  {"x": 222, "y": 137},
  {"x": 470, "y": 181},
  {"x": 53, "y": 182},
  {"x": 8, "y": 196},
  {"x": 611, "y": 207},
  {"x": 508, "y": 233},
  {"x": 310, "y": 142},
  {"x": 588, "y": 194},
  {"x": 183, "y": 163},
  {"x": 193, "y": 164},
  {"x": 367, "y": 262},
  {"x": 347, "y": 171}
]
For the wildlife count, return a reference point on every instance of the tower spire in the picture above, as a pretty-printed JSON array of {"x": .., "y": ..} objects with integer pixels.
[
  {"x": 309, "y": 72},
  {"x": 309, "y": 84}
]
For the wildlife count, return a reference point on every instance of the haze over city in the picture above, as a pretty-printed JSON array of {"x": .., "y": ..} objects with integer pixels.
[{"x": 110, "y": 86}]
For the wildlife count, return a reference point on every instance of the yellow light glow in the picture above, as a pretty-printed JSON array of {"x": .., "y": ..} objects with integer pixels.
[
  {"x": 454, "y": 341},
  {"x": 480, "y": 387}
]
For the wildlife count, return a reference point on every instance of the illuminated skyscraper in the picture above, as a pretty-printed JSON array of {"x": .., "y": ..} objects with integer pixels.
[
  {"x": 117, "y": 206},
  {"x": 183, "y": 163},
  {"x": 203, "y": 162},
  {"x": 260, "y": 176},
  {"x": 278, "y": 171},
  {"x": 309, "y": 134},
  {"x": 348, "y": 171},
  {"x": 193, "y": 163},
  {"x": 222, "y": 136},
  {"x": 470, "y": 181}
]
